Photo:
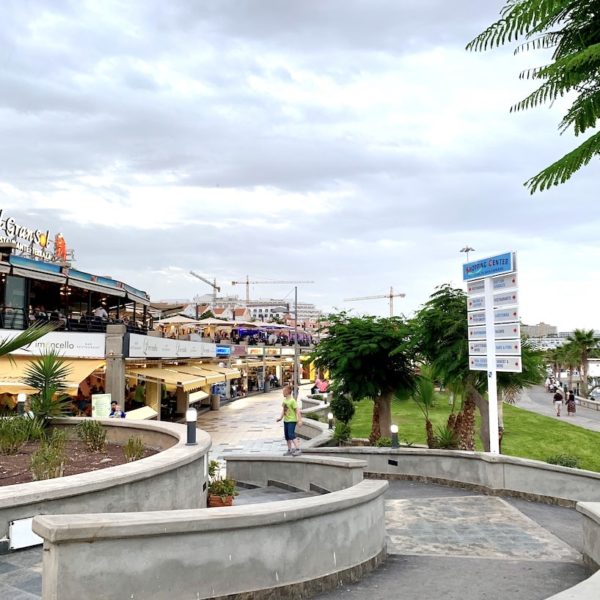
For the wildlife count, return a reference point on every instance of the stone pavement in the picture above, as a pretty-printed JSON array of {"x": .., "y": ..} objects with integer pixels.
[
  {"x": 457, "y": 545},
  {"x": 247, "y": 425}
]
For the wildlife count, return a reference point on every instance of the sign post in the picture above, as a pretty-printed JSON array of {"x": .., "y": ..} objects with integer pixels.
[{"x": 494, "y": 329}]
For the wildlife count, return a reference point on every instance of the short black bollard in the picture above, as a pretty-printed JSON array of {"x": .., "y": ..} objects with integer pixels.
[{"x": 395, "y": 441}]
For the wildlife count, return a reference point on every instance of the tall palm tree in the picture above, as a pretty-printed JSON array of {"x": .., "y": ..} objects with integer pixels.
[
  {"x": 584, "y": 341},
  {"x": 569, "y": 354}
]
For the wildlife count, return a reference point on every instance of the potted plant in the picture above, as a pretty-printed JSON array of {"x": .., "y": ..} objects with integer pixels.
[{"x": 220, "y": 489}]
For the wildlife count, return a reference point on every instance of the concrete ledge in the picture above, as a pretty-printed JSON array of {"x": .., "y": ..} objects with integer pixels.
[
  {"x": 305, "y": 473},
  {"x": 212, "y": 553},
  {"x": 591, "y": 533},
  {"x": 530, "y": 479},
  {"x": 173, "y": 478}
]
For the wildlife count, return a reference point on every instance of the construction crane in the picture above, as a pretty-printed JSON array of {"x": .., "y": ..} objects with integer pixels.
[
  {"x": 391, "y": 297},
  {"x": 213, "y": 285},
  {"x": 248, "y": 282}
]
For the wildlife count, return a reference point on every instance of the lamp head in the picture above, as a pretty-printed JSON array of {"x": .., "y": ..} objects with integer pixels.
[
  {"x": 191, "y": 415},
  {"x": 394, "y": 428}
]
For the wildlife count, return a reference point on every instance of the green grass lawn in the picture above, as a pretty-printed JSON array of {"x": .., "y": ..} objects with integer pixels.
[{"x": 526, "y": 434}]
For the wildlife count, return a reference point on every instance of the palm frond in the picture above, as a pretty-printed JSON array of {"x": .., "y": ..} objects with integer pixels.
[
  {"x": 25, "y": 338},
  {"x": 565, "y": 167}
]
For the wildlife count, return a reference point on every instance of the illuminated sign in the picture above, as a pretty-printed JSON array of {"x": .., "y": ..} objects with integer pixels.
[
  {"x": 32, "y": 242},
  {"x": 223, "y": 350}
]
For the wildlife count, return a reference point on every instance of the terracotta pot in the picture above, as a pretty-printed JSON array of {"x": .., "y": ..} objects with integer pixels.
[{"x": 216, "y": 501}]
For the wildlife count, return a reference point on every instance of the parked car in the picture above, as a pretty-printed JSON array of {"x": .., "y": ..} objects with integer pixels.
[{"x": 595, "y": 395}]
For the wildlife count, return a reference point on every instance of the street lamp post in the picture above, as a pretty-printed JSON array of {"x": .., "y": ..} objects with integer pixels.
[{"x": 467, "y": 249}]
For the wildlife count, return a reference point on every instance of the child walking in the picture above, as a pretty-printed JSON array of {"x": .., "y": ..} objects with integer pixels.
[{"x": 290, "y": 413}]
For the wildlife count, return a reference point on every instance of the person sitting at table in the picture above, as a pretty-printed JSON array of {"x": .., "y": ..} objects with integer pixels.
[
  {"x": 100, "y": 312},
  {"x": 115, "y": 411}
]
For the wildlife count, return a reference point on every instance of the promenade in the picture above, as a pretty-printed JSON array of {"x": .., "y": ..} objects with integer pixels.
[
  {"x": 443, "y": 542},
  {"x": 538, "y": 400}
]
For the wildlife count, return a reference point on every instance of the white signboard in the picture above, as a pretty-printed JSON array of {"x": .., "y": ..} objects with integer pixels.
[
  {"x": 507, "y": 364},
  {"x": 21, "y": 535},
  {"x": 506, "y": 299},
  {"x": 503, "y": 347},
  {"x": 506, "y": 315},
  {"x": 505, "y": 282},
  {"x": 475, "y": 287},
  {"x": 145, "y": 346},
  {"x": 477, "y": 303},
  {"x": 100, "y": 406},
  {"x": 66, "y": 343},
  {"x": 508, "y": 331},
  {"x": 477, "y": 317}
]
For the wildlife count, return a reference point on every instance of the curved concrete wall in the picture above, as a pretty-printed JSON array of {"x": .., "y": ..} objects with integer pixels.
[
  {"x": 499, "y": 474},
  {"x": 172, "y": 479},
  {"x": 312, "y": 473},
  {"x": 279, "y": 549}
]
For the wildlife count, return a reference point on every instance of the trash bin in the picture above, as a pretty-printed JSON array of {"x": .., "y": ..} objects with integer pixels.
[
  {"x": 215, "y": 402},
  {"x": 266, "y": 387}
]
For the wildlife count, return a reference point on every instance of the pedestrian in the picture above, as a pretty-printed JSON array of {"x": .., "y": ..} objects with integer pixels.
[
  {"x": 290, "y": 413},
  {"x": 571, "y": 404},
  {"x": 557, "y": 399}
]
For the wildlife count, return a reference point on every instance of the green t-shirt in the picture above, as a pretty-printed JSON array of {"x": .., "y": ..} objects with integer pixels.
[
  {"x": 140, "y": 395},
  {"x": 289, "y": 410}
]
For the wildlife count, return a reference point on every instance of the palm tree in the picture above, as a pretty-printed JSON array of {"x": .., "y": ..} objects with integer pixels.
[
  {"x": 47, "y": 374},
  {"x": 424, "y": 396},
  {"x": 570, "y": 360},
  {"x": 584, "y": 342}
]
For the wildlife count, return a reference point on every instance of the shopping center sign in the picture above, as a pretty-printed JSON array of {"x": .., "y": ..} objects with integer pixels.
[
  {"x": 493, "y": 320},
  {"x": 146, "y": 346}
]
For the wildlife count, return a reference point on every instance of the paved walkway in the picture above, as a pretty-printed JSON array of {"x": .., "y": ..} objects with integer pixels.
[
  {"x": 537, "y": 399},
  {"x": 443, "y": 542}
]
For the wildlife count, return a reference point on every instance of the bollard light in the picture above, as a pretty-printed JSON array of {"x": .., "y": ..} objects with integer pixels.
[
  {"x": 395, "y": 441},
  {"x": 330, "y": 420},
  {"x": 21, "y": 399},
  {"x": 191, "y": 418}
]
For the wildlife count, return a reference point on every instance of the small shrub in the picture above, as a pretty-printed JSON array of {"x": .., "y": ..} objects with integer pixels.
[
  {"x": 217, "y": 485},
  {"x": 342, "y": 432},
  {"x": 383, "y": 442},
  {"x": 316, "y": 397},
  {"x": 49, "y": 461},
  {"x": 342, "y": 408},
  {"x": 134, "y": 448},
  {"x": 564, "y": 460},
  {"x": 13, "y": 434},
  {"x": 93, "y": 434},
  {"x": 313, "y": 416},
  {"x": 445, "y": 437}
]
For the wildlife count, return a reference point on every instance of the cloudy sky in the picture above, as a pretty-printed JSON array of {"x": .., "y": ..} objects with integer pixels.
[{"x": 350, "y": 142}]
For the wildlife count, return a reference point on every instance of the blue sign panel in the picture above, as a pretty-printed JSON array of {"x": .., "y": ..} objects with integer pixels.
[
  {"x": 223, "y": 350},
  {"x": 495, "y": 265}
]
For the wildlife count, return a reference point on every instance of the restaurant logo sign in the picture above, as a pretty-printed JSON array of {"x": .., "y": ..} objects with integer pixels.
[{"x": 30, "y": 242}]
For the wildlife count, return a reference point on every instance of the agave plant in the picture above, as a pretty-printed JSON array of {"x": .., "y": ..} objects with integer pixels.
[{"x": 48, "y": 375}]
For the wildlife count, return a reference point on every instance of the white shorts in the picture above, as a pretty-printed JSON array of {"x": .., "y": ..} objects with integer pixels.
[{"x": 557, "y": 403}]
